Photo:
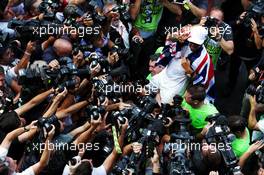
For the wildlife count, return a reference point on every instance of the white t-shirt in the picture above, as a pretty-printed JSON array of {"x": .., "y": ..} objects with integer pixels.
[
  {"x": 172, "y": 80},
  {"x": 28, "y": 171},
  {"x": 258, "y": 134},
  {"x": 96, "y": 171}
]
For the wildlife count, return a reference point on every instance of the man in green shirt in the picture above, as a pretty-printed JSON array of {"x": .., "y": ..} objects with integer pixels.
[
  {"x": 146, "y": 15},
  {"x": 153, "y": 69},
  {"x": 198, "y": 110}
]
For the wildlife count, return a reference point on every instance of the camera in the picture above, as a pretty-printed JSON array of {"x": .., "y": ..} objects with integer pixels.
[
  {"x": 94, "y": 112},
  {"x": 255, "y": 11},
  {"x": 220, "y": 133},
  {"x": 71, "y": 12},
  {"x": 259, "y": 92},
  {"x": 47, "y": 122},
  {"x": 48, "y": 7},
  {"x": 117, "y": 116},
  {"x": 123, "y": 11},
  {"x": 31, "y": 30},
  {"x": 176, "y": 151},
  {"x": 6, "y": 104},
  {"x": 121, "y": 167},
  {"x": 120, "y": 51}
]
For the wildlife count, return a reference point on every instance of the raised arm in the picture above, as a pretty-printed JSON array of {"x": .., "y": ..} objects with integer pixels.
[
  {"x": 135, "y": 9},
  {"x": 14, "y": 134},
  {"x": 56, "y": 101},
  {"x": 72, "y": 109},
  {"x": 44, "y": 159},
  {"x": 23, "y": 63},
  {"x": 198, "y": 12},
  {"x": 111, "y": 159},
  {"x": 252, "y": 121},
  {"x": 33, "y": 102},
  {"x": 86, "y": 136}
]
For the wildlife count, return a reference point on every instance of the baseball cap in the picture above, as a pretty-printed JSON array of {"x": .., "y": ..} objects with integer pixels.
[{"x": 198, "y": 35}]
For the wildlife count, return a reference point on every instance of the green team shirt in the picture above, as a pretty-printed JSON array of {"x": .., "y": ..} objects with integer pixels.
[
  {"x": 149, "y": 15},
  {"x": 240, "y": 146},
  {"x": 199, "y": 115}
]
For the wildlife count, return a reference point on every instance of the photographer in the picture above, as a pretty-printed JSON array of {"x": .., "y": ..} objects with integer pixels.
[
  {"x": 247, "y": 42},
  {"x": 256, "y": 109},
  {"x": 12, "y": 65},
  {"x": 119, "y": 29},
  {"x": 86, "y": 166},
  {"x": 8, "y": 165},
  {"x": 238, "y": 126},
  {"x": 60, "y": 48},
  {"x": 220, "y": 36},
  {"x": 194, "y": 103}
]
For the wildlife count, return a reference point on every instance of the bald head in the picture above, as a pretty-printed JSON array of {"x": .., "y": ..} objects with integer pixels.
[{"x": 62, "y": 47}]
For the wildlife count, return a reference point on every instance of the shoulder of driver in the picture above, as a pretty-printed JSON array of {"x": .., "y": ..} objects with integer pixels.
[{"x": 96, "y": 171}]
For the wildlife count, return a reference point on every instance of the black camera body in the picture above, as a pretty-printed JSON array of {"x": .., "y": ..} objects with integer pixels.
[
  {"x": 48, "y": 7},
  {"x": 123, "y": 11},
  {"x": 259, "y": 92},
  {"x": 94, "y": 112},
  {"x": 255, "y": 11},
  {"x": 220, "y": 133},
  {"x": 176, "y": 151}
]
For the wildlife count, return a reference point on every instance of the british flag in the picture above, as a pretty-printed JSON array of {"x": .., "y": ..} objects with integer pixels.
[{"x": 200, "y": 62}]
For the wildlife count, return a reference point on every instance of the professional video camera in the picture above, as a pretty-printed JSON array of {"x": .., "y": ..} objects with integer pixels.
[
  {"x": 259, "y": 92},
  {"x": 32, "y": 30},
  {"x": 173, "y": 111},
  {"x": 255, "y": 11},
  {"x": 220, "y": 133},
  {"x": 176, "y": 150},
  {"x": 49, "y": 7},
  {"x": 37, "y": 78},
  {"x": 138, "y": 119}
]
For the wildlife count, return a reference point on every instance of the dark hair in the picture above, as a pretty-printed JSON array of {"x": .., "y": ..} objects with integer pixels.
[
  {"x": 197, "y": 92},
  {"x": 84, "y": 169},
  {"x": 237, "y": 123}
]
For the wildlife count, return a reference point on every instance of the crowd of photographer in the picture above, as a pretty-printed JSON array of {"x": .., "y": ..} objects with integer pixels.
[{"x": 128, "y": 87}]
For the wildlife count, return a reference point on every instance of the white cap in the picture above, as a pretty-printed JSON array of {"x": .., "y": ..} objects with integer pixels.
[{"x": 198, "y": 35}]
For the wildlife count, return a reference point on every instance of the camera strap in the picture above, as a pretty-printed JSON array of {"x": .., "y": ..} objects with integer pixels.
[{"x": 117, "y": 146}]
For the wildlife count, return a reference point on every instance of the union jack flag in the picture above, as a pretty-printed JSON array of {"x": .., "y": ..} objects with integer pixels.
[{"x": 200, "y": 62}]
